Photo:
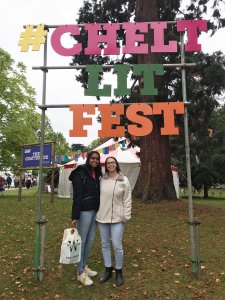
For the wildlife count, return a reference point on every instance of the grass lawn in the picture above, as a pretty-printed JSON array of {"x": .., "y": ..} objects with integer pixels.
[{"x": 156, "y": 252}]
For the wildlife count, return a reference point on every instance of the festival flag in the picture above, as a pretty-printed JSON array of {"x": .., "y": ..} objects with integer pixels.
[
  {"x": 123, "y": 143},
  {"x": 66, "y": 158},
  {"x": 105, "y": 150}
]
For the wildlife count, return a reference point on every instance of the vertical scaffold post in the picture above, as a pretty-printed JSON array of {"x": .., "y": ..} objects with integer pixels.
[
  {"x": 39, "y": 222},
  {"x": 197, "y": 250},
  {"x": 194, "y": 242},
  {"x": 53, "y": 173},
  {"x": 42, "y": 248}
]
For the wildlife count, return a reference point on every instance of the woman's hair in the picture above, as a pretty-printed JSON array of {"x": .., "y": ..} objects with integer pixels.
[
  {"x": 117, "y": 164},
  {"x": 98, "y": 169}
]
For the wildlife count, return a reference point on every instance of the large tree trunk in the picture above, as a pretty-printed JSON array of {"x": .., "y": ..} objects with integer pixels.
[{"x": 155, "y": 181}]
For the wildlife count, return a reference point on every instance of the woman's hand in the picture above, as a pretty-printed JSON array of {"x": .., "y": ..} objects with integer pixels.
[{"x": 74, "y": 224}]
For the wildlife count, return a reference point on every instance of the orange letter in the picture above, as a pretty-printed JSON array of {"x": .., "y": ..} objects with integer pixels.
[
  {"x": 146, "y": 124},
  {"x": 79, "y": 121},
  {"x": 168, "y": 108},
  {"x": 108, "y": 120}
]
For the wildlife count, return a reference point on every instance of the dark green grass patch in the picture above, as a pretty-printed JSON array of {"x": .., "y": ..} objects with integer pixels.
[{"x": 156, "y": 252}]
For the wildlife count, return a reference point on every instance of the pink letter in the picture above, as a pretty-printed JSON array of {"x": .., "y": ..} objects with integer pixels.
[
  {"x": 94, "y": 38},
  {"x": 159, "y": 45},
  {"x": 132, "y": 37},
  {"x": 56, "y": 40},
  {"x": 192, "y": 27}
]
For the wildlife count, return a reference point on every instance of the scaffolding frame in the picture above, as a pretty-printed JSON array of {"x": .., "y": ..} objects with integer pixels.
[{"x": 41, "y": 221}]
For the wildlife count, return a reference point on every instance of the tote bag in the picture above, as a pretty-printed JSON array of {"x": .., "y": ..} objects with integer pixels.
[{"x": 71, "y": 247}]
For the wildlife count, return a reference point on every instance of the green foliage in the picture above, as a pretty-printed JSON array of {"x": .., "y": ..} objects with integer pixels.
[
  {"x": 207, "y": 9},
  {"x": 18, "y": 119},
  {"x": 61, "y": 145},
  {"x": 205, "y": 88},
  {"x": 79, "y": 147}
]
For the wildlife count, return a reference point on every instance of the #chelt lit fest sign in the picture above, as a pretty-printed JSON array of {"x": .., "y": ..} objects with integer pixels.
[{"x": 134, "y": 44}]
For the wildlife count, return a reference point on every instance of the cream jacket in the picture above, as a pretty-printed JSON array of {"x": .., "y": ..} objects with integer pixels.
[{"x": 115, "y": 200}]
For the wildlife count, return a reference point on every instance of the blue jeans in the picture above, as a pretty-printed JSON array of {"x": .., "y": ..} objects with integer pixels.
[
  {"x": 114, "y": 230},
  {"x": 86, "y": 227}
]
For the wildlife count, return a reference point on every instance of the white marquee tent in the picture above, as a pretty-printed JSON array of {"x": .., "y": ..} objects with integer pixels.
[{"x": 127, "y": 158}]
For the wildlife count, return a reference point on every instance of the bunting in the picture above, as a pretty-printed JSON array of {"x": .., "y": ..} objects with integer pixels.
[{"x": 75, "y": 156}]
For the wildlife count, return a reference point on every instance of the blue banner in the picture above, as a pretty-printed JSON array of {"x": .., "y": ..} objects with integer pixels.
[{"x": 31, "y": 156}]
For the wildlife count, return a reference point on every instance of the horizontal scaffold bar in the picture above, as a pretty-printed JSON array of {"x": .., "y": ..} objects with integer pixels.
[
  {"x": 182, "y": 65},
  {"x": 68, "y": 105},
  {"x": 82, "y": 25}
]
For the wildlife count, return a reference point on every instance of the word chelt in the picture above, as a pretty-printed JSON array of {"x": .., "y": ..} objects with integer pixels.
[{"x": 106, "y": 33}]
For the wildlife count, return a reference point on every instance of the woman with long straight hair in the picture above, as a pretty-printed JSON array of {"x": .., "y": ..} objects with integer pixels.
[
  {"x": 86, "y": 193},
  {"x": 113, "y": 213}
]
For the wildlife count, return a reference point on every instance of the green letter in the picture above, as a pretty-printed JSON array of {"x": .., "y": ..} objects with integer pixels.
[
  {"x": 93, "y": 82},
  {"x": 122, "y": 71},
  {"x": 148, "y": 76}
]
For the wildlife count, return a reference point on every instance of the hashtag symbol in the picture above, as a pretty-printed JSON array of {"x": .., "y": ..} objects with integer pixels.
[{"x": 32, "y": 37}]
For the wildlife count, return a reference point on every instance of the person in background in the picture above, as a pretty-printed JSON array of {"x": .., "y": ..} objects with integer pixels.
[
  {"x": 28, "y": 181},
  {"x": 2, "y": 183},
  {"x": 8, "y": 181},
  {"x": 113, "y": 213},
  {"x": 16, "y": 182},
  {"x": 86, "y": 192}
]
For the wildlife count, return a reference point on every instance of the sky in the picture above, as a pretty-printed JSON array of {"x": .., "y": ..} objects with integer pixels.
[{"x": 62, "y": 87}]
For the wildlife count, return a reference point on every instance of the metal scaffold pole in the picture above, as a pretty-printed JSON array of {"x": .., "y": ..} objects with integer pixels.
[
  {"x": 194, "y": 236},
  {"x": 39, "y": 222}
]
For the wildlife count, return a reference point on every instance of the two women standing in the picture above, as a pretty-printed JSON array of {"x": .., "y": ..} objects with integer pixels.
[{"x": 112, "y": 199}]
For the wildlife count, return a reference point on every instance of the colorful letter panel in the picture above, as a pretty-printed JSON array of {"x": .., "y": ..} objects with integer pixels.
[
  {"x": 148, "y": 75},
  {"x": 192, "y": 27},
  {"x": 108, "y": 120},
  {"x": 168, "y": 109},
  {"x": 159, "y": 45},
  {"x": 133, "y": 38},
  {"x": 146, "y": 123},
  {"x": 93, "y": 82},
  {"x": 94, "y": 38},
  {"x": 56, "y": 40},
  {"x": 78, "y": 119}
]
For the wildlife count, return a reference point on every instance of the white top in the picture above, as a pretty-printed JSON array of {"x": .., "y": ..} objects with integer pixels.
[{"x": 115, "y": 200}]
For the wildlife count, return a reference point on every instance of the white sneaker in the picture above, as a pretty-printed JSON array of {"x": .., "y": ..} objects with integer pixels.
[
  {"x": 84, "y": 279},
  {"x": 89, "y": 272}
]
